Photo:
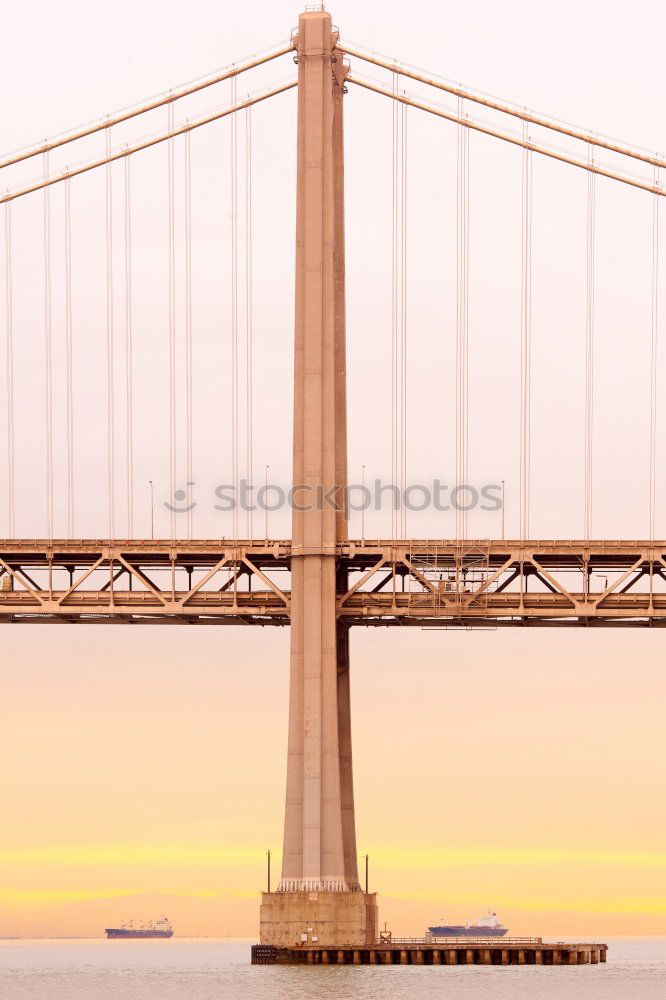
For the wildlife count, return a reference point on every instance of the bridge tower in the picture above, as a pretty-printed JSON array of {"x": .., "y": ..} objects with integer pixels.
[{"x": 319, "y": 895}]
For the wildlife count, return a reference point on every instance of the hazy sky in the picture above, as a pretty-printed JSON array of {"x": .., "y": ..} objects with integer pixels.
[{"x": 523, "y": 771}]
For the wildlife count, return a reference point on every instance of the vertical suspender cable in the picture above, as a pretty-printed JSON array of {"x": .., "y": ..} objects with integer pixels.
[
  {"x": 394, "y": 304},
  {"x": 654, "y": 358},
  {"x": 466, "y": 336},
  {"x": 528, "y": 301},
  {"x": 399, "y": 318},
  {"x": 48, "y": 351},
  {"x": 110, "y": 392},
  {"x": 525, "y": 340},
  {"x": 234, "y": 313},
  {"x": 172, "y": 325},
  {"x": 462, "y": 323},
  {"x": 188, "y": 318},
  {"x": 129, "y": 360},
  {"x": 249, "y": 389},
  {"x": 589, "y": 347},
  {"x": 459, "y": 133},
  {"x": 403, "y": 324},
  {"x": 69, "y": 361},
  {"x": 11, "y": 493}
]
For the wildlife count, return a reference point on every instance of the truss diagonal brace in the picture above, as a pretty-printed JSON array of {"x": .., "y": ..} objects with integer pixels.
[
  {"x": 204, "y": 580},
  {"x": 620, "y": 580},
  {"x": 364, "y": 579},
  {"x": 444, "y": 599},
  {"x": 551, "y": 579},
  {"x": 489, "y": 582},
  {"x": 17, "y": 575},
  {"x": 84, "y": 576},
  {"x": 269, "y": 583},
  {"x": 136, "y": 572}
]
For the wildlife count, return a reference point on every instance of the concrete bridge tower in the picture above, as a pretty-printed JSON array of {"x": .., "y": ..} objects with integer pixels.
[{"x": 319, "y": 895}]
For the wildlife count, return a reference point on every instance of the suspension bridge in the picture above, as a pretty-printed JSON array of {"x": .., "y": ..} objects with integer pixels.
[{"x": 319, "y": 582}]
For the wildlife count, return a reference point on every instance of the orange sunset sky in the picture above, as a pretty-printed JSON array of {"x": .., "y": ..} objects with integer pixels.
[{"x": 492, "y": 769}]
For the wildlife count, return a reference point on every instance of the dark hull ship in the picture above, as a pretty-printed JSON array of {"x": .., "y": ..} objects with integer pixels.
[
  {"x": 489, "y": 926},
  {"x": 160, "y": 929}
]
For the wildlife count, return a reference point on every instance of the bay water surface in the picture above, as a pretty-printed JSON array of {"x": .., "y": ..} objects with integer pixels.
[{"x": 209, "y": 969}]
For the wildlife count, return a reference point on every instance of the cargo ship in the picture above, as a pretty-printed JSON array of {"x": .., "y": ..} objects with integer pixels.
[
  {"x": 160, "y": 929},
  {"x": 488, "y": 926}
]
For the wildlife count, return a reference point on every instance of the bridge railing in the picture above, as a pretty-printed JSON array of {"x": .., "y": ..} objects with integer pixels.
[{"x": 488, "y": 941}]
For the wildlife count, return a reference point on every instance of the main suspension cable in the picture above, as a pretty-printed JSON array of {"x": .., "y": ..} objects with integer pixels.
[
  {"x": 475, "y": 126},
  {"x": 9, "y": 364},
  {"x": 526, "y": 116},
  {"x": 122, "y": 116},
  {"x": 137, "y": 147}
]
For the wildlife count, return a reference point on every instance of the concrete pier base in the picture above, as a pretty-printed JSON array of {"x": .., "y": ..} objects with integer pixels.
[
  {"x": 322, "y": 919},
  {"x": 403, "y": 952}
]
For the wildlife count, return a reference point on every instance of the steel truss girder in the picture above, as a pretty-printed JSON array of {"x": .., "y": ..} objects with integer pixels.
[{"x": 425, "y": 582}]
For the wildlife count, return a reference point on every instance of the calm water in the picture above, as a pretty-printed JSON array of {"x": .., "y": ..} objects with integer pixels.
[{"x": 209, "y": 970}]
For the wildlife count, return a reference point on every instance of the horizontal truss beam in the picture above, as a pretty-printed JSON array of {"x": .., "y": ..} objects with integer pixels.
[{"x": 425, "y": 582}]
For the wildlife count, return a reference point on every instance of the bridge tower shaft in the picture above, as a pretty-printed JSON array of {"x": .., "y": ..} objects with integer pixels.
[{"x": 319, "y": 894}]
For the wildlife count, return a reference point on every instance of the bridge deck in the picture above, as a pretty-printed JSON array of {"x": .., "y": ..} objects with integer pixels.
[{"x": 421, "y": 582}]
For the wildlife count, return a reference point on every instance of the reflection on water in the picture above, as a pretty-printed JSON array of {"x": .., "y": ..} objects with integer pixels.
[{"x": 189, "y": 969}]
